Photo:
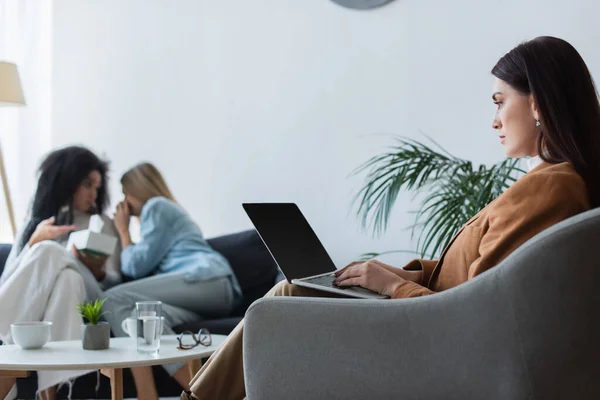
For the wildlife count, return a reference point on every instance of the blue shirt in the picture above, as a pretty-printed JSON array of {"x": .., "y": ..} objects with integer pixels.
[{"x": 172, "y": 242}]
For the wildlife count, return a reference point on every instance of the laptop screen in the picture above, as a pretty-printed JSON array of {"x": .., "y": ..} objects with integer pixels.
[{"x": 290, "y": 239}]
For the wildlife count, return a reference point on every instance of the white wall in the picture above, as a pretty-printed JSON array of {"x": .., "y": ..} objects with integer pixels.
[
  {"x": 25, "y": 132},
  {"x": 278, "y": 100}
]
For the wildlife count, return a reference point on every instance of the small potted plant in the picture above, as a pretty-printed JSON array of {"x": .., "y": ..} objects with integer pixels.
[{"x": 95, "y": 334}]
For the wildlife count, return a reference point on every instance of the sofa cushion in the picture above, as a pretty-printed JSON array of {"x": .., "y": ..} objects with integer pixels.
[
  {"x": 4, "y": 251},
  {"x": 251, "y": 262}
]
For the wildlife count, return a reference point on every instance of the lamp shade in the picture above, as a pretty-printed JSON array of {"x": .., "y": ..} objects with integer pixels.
[{"x": 10, "y": 85}]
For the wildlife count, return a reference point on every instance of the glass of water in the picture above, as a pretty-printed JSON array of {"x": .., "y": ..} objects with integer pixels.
[{"x": 148, "y": 315}]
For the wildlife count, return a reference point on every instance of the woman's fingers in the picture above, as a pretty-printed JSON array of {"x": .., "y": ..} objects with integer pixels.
[
  {"x": 122, "y": 208},
  {"x": 341, "y": 271},
  {"x": 92, "y": 262},
  {"x": 342, "y": 274},
  {"x": 356, "y": 281},
  {"x": 350, "y": 272},
  {"x": 357, "y": 268},
  {"x": 63, "y": 229},
  {"x": 52, "y": 232},
  {"x": 49, "y": 221}
]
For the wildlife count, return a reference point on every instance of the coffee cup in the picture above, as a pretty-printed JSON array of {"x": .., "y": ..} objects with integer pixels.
[{"x": 31, "y": 335}]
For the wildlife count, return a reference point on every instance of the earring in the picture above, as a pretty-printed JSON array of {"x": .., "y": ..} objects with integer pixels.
[{"x": 537, "y": 122}]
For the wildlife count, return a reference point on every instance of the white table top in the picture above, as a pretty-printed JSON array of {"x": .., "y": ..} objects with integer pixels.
[{"x": 69, "y": 355}]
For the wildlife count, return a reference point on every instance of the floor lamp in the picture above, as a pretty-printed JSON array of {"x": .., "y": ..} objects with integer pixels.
[{"x": 11, "y": 93}]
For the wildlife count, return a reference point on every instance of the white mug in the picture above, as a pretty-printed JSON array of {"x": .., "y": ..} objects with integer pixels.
[{"x": 129, "y": 325}]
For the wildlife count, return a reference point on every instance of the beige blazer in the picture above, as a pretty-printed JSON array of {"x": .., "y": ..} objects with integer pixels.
[{"x": 546, "y": 195}]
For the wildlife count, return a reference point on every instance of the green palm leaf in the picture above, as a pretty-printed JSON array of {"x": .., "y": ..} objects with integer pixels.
[{"x": 454, "y": 190}]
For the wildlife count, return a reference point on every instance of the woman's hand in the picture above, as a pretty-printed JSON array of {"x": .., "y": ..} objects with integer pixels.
[
  {"x": 413, "y": 276},
  {"x": 371, "y": 275},
  {"x": 94, "y": 263},
  {"x": 122, "y": 219},
  {"x": 46, "y": 230}
]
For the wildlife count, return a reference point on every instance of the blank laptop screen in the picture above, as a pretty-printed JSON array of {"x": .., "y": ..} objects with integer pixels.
[{"x": 290, "y": 239}]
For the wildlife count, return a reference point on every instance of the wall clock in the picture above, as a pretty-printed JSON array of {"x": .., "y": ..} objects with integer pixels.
[{"x": 361, "y": 4}]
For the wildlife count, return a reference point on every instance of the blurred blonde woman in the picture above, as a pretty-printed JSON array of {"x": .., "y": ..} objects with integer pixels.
[{"x": 171, "y": 263}]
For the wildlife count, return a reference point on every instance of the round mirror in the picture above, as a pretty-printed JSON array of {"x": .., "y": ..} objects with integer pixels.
[{"x": 361, "y": 4}]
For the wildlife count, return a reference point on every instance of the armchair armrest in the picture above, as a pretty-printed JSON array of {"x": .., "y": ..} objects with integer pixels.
[{"x": 303, "y": 348}]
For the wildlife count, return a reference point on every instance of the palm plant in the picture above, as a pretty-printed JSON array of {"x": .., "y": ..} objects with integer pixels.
[{"x": 454, "y": 190}]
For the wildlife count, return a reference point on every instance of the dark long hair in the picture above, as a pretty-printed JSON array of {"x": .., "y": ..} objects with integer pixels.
[
  {"x": 60, "y": 174},
  {"x": 563, "y": 89}
]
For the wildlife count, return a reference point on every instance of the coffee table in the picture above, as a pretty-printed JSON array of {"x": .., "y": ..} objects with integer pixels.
[{"x": 69, "y": 355}]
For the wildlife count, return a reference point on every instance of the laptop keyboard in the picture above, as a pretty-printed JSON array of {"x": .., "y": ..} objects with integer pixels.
[
  {"x": 326, "y": 280},
  {"x": 329, "y": 281}
]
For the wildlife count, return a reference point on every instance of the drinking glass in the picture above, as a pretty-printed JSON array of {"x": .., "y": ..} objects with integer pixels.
[{"x": 148, "y": 315}]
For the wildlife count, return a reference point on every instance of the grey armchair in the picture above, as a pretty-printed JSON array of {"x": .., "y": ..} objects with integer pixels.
[{"x": 527, "y": 329}]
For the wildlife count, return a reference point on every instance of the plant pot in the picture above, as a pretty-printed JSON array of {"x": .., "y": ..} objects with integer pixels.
[{"x": 95, "y": 337}]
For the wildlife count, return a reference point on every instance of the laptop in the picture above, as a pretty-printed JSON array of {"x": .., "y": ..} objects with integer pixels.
[{"x": 297, "y": 250}]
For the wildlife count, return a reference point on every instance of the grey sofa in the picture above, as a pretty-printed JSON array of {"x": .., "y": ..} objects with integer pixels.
[{"x": 527, "y": 329}]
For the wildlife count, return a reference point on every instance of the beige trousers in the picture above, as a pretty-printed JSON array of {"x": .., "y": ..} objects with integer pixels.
[{"x": 222, "y": 376}]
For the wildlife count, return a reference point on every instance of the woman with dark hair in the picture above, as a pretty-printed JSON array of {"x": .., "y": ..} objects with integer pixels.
[
  {"x": 548, "y": 112},
  {"x": 42, "y": 279}
]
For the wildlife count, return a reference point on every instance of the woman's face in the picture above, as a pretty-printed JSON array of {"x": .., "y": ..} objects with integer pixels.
[
  {"x": 87, "y": 192},
  {"x": 135, "y": 205},
  {"x": 515, "y": 120}
]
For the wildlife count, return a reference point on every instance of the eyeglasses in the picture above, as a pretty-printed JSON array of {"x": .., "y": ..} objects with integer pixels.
[{"x": 203, "y": 337}]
